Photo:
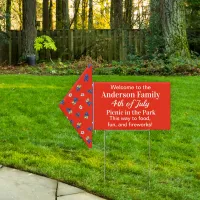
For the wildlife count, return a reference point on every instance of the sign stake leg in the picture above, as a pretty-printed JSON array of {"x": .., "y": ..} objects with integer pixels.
[
  {"x": 104, "y": 156},
  {"x": 149, "y": 155}
]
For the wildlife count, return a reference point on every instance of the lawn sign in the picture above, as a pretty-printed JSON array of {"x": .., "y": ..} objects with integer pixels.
[{"x": 116, "y": 106}]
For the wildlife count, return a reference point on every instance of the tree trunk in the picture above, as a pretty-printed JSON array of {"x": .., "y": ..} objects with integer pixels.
[
  {"x": 76, "y": 10},
  {"x": 51, "y": 15},
  {"x": 59, "y": 20},
  {"x": 117, "y": 12},
  {"x": 112, "y": 14},
  {"x": 174, "y": 28},
  {"x": 8, "y": 15},
  {"x": 20, "y": 15},
  {"x": 90, "y": 16},
  {"x": 45, "y": 15},
  {"x": 84, "y": 13},
  {"x": 155, "y": 35},
  {"x": 29, "y": 27},
  {"x": 128, "y": 14},
  {"x": 66, "y": 22}
]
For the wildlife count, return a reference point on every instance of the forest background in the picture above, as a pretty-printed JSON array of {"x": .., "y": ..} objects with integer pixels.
[{"x": 103, "y": 30}]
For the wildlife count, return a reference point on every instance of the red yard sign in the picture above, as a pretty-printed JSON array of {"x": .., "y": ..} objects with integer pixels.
[
  {"x": 116, "y": 106},
  {"x": 131, "y": 106}
]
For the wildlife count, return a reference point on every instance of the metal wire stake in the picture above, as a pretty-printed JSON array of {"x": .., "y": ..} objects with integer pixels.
[
  {"x": 149, "y": 158},
  {"x": 104, "y": 156}
]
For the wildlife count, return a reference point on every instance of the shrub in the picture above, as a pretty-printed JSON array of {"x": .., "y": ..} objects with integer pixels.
[{"x": 44, "y": 42}]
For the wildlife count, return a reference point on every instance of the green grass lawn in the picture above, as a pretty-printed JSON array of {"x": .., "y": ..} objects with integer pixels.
[{"x": 35, "y": 136}]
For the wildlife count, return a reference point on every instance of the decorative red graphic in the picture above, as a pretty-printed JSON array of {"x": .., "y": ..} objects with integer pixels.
[
  {"x": 131, "y": 106},
  {"x": 77, "y": 106},
  {"x": 116, "y": 106}
]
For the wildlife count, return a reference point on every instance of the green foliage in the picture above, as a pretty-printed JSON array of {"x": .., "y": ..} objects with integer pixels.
[
  {"x": 193, "y": 15},
  {"x": 103, "y": 71},
  {"x": 44, "y": 42},
  {"x": 4, "y": 38},
  {"x": 137, "y": 66},
  {"x": 193, "y": 2}
]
